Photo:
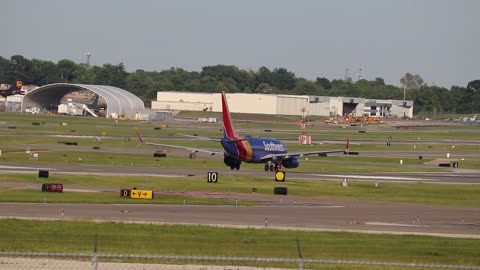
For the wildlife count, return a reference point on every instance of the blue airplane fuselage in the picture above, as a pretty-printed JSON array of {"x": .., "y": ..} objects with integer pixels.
[{"x": 252, "y": 150}]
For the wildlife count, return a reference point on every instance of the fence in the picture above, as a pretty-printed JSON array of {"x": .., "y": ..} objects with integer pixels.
[
  {"x": 74, "y": 261},
  {"x": 73, "y": 246}
]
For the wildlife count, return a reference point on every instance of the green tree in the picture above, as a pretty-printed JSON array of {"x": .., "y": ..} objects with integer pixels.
[
  {"x": 380, "y": 81},
  {"x": 340, "y": 87},
  {"x": 446, "y": 102},
  {"x": 66, "y": 69},
  {"x": 263, "y": 88},
  {"x": 247, "y": 80},
  {"x": 230, "y": 77},
  {"x": 84, "y": 74},
  {"x": 179, "y": 78},
  {"x": 474, "y": 85},
  {"x": 456, "y": 95},
  {"x": 228, "y": 85},
  {"x": 207, "y": 84},
  {"x": 43, "y": 72},
  {"x": 324, "y": 82},
  {"x": 263, "y": 76},
  {"x": 108, "y": 74},
  {"x": 306, "y": 87},
  {"x": 193, "y": 85},
  {"x": 472, "y": 96},
  {"x": 139, "y": 83},
  {"x": 6, "y": 75},
  {"x": 283, "y": 79},
  {"x": 411, "y": 81},
  {"x": 21, "y": 69}
]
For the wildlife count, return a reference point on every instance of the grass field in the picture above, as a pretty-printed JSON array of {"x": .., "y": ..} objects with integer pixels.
[
  {"x": 36, "y": 196},
  {"x": 308, "y": 164},
  {"x": 19, "y": 131},
  {"x": 24, "y": 124},
  {"x": 460, "y": 195},
  {"x": 78, "y": 237},
  {"x": 37, "y": 143},
  {"x": 26, "y": 135}
]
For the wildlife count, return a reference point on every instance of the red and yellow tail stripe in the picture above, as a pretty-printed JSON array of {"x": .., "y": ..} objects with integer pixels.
[
  {"x": 245, "y": 152},
  {"x": 227, "y": 122}
]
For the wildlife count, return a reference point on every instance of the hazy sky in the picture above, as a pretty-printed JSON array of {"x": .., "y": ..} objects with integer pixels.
[{"x": 437, "y": 39}]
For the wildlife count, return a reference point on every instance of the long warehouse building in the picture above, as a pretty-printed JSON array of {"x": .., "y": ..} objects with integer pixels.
[{"x": 282, "y": 104}]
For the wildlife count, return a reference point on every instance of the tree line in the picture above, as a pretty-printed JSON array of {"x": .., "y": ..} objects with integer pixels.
[{"x": 145, "y": 84}]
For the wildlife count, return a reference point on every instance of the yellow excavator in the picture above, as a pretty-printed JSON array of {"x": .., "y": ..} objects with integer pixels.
[{"x": 13, "y": 90}]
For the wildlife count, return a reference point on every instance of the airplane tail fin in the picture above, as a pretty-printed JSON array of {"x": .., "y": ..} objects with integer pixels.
[
  {"x": 139, "y": 136},
  {"x": 227, "y": 122}
]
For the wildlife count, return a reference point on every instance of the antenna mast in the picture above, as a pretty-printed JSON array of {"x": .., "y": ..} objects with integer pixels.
[
  {"x": 347, "y": 76},
  {"x": 87, "y": 54},
  {"x": 360, "y": 75}
]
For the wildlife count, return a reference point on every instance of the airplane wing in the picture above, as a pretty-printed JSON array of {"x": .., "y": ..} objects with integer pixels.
[
  {"x": 192, "y": 149},
  {"x": 199, "y": 137},
  {"x": 298, "y": 154},
  {"x": 306, "y": 153},
  {"x": 212, "y": 139}
]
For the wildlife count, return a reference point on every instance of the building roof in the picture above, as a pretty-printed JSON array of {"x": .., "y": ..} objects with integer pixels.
[{"x": 118, "y": 101}]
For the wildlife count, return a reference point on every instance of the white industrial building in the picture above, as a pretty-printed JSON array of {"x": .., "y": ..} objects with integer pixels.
[{"x": 282, "y": 104}]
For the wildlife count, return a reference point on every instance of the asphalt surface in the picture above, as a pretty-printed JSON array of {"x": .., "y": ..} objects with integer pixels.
[
  {"x": 281, "y": 212},
  {"x": 449, "y": 175},
  {"x": 328, "y": 215}
]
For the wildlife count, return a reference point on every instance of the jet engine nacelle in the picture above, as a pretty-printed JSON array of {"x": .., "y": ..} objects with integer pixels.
[
  {"x": 229, "y": 161},
  {"x": 290, "y": 162}
]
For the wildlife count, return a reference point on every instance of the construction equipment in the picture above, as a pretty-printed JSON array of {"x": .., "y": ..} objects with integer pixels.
[{"x": 13, "y": 90}]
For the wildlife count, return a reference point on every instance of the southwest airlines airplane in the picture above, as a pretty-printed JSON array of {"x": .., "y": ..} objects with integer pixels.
[{"x": 271, "y": 152}]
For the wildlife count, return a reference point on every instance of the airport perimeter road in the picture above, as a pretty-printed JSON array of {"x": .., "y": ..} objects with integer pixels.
[
  {"x": 336, "y": 215},
  {"x": 458, "y": 176}
]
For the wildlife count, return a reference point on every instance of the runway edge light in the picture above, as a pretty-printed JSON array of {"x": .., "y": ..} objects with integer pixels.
[{"x": 280, "y": 176}]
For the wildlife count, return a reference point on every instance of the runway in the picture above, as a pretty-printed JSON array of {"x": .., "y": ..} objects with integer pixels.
[
  {"x": 458, "y": 176},
  {"x": 279, "y": 212},
  {"x": 323, "y": 215}
]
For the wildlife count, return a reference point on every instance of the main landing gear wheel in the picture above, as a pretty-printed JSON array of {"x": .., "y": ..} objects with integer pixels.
[{"x": 271, "y": 167}]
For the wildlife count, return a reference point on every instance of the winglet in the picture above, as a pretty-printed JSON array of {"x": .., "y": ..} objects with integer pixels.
[{"x": 139, "y": 137}]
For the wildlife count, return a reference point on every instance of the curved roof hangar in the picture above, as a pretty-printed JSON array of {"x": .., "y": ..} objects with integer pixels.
[{"x": 118, "y": 101}]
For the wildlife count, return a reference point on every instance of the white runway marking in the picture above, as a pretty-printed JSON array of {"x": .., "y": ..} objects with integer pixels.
[
  {"x": 393, "y": 224},
  {"x": 21, "y": 167},
  {"x": 373, "y": 177}
]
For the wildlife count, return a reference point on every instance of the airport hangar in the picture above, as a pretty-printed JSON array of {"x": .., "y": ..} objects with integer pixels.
[
  {"x": 282, "y": 104},
  {"x": 119, "y": 102}
]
